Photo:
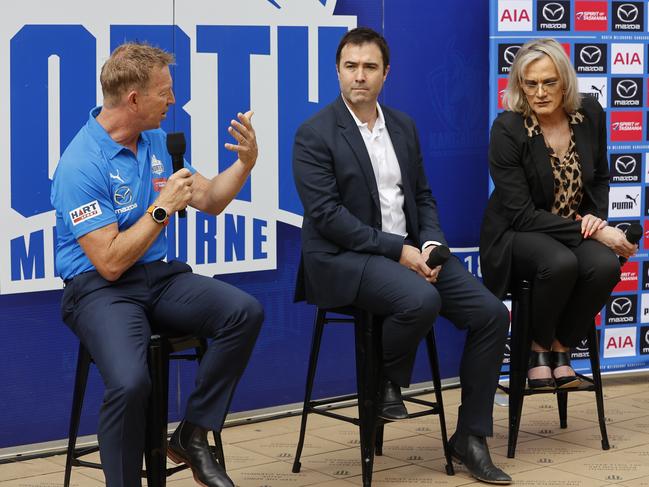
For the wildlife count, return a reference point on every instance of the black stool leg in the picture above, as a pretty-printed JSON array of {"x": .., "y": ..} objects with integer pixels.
[
  {"x": 562, "y": 404},
  {"x": 310, "y": 376},
  {"x": 80, "y": 381},
  {"x": 520, "y": 350},
  {"x": 431, "y": 348},
  {"x": 593, "y": 352},
  {"x": 367, "y": 377},
  {"x": 378, "y": 444},
  {"x": 218, "y": 448},
  {"x": 156, "y": 438}
]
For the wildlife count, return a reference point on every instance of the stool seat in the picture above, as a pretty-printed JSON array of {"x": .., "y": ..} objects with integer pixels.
[
  {"x": 520, "y": 343},
  {"x": 368, "y": 377},
  {"x": 163, "y": 347}
]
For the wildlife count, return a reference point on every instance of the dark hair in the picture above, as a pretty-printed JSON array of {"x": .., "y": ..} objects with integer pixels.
[{"x": 364, "y": 35}]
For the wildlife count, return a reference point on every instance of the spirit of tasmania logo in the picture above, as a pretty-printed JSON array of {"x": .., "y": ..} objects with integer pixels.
[{"x": 276, "y": 57}]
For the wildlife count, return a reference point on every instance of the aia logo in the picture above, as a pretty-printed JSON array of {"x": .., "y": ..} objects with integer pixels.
[
  {"x": 626, "y": 126},
  {"x": 619, "y": 342},
  {"x": 591, "y": 16},
  {"x": 514, "y": 15},
  {"x": 627, "y": 58}
]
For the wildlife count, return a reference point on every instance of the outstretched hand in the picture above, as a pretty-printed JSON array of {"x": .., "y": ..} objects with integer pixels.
[{"x": 244, "y": 133}]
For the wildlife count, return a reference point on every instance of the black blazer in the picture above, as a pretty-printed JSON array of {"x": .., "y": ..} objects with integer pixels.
[
  {"x": 524, "y": 189},
  {"x": 342, "y": 214}
]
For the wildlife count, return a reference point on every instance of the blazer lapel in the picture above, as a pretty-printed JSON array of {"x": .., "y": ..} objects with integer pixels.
[
  {"x": 583, "y": 141},
  {"x": 355, "y": 140},
  {"x": 401, "y": 150},
  {"x": 541, "y": 159}
]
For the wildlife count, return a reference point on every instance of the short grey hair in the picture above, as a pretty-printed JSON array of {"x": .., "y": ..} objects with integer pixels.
[{"x": 514, "y": 98}]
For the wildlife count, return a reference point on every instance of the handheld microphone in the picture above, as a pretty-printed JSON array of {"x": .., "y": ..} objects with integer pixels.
[
  {"x": 633, "y": 235},
  {"x": 176, "y": 147},
  {"x": 438, "y": 256}
]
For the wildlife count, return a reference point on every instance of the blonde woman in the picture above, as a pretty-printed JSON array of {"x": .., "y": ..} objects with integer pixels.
[{"x": 546, "y": 219}]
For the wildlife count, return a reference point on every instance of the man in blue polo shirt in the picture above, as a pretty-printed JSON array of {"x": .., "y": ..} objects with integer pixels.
[{"x": 114, "y": 190}]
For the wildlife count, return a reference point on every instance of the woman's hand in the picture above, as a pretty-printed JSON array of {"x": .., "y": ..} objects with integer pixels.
[
  {"x": 615, "y": 240},
  {"x": 590, "y": 224}
]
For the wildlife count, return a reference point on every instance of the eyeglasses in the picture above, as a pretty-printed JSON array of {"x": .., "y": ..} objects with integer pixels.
[{"x": 532, "y": 87}]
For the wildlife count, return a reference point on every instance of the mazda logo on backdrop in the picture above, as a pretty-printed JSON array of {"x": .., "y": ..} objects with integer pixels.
[
  {"x": 590, "y": 58},
  {"x": 626, "y": 168},
  {"x": 553, "y": 11},
  {"x": 621, "y": 309},
  {"x": 628, "y": 16},
  {"x": 553, "y": 15},
  {"x": 627, "y": 88},
  {"x": 590, "y": 55},
  {"x": 506, "y": 55},
  {"x": 627, "y": 12}
]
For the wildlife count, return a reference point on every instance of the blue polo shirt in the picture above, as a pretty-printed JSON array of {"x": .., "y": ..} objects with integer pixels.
[{"x": 98, "y": 182}]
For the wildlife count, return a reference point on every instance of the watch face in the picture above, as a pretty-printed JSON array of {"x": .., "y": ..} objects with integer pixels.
[{"x": 159, "y": 214}]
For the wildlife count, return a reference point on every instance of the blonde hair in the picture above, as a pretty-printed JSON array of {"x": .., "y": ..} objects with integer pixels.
[
  {"x": 128, "y": 67},
  {"x": 514, "y": 98}
]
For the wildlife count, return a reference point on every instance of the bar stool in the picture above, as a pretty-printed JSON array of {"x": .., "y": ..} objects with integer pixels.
[
  {"x": 368, "y": 377},
  {"x": 521, "y": 342},
  {"x": 162, "y": 348}
]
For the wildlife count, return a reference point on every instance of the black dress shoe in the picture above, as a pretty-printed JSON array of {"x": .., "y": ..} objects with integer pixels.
[
  {"x": 391, "y": 406},
  {"x": 473, "y": 452},
  {"x": 560, "y": 359},
  {"x": 540, "y": 359},
  {"x": 189, "y": 445}
]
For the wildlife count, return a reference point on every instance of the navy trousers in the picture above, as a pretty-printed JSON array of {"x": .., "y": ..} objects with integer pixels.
[
  {"x": 113, "y": 320},
  {"x": 410, "y": 305}
]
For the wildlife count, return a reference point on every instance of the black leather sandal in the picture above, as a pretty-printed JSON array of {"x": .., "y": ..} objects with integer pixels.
[
  {"x": 540, "y": 359},
  {"x": 560, "y": 359}
]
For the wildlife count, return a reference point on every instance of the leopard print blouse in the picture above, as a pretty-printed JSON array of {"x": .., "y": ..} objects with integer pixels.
[{"x": 568, "y": 185}]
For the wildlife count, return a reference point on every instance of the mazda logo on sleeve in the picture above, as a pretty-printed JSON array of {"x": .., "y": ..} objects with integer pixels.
[
  {"x": 621, "y": 306},
  {"x": 627, "y": 13},
  {"x": 123, "y": 195},
  {"x": 510, "y": 53},
  {"x": 553, "y": 12},
  {"x": 627, "y": 88},
  {"x": 625, "y": 164},
  {"x": 590, "y": 54}
]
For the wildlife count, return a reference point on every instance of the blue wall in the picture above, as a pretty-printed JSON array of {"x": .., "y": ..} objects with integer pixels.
[{"x": 439, "y": 75}]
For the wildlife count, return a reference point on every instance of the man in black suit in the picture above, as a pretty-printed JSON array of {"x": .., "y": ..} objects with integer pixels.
[{"x": 370, "y": 223}]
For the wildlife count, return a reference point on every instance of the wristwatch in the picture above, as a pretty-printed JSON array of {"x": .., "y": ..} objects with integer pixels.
[{"x": 159, "y": 214}]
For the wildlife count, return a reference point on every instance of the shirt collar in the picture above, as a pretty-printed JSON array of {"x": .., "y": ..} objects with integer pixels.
[
  {"x": 534, "y": 128},
  {"x": 380, "y": 120},
  {"x": 108, "y": 145}
]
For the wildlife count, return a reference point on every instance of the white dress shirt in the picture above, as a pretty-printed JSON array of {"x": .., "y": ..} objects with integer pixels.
[{"x": 386, "y": 172}]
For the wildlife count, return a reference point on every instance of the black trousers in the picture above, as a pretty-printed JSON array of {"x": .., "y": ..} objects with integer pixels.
[
  {"x": 410, "y": 305},
  {"x": 112, "y": 319},
  {"x": 569, "y": 285}
]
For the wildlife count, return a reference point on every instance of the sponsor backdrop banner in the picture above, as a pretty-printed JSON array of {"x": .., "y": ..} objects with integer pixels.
[
  {"x": 607, "y": 43},
  {"x": 277, "y": 57}
]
